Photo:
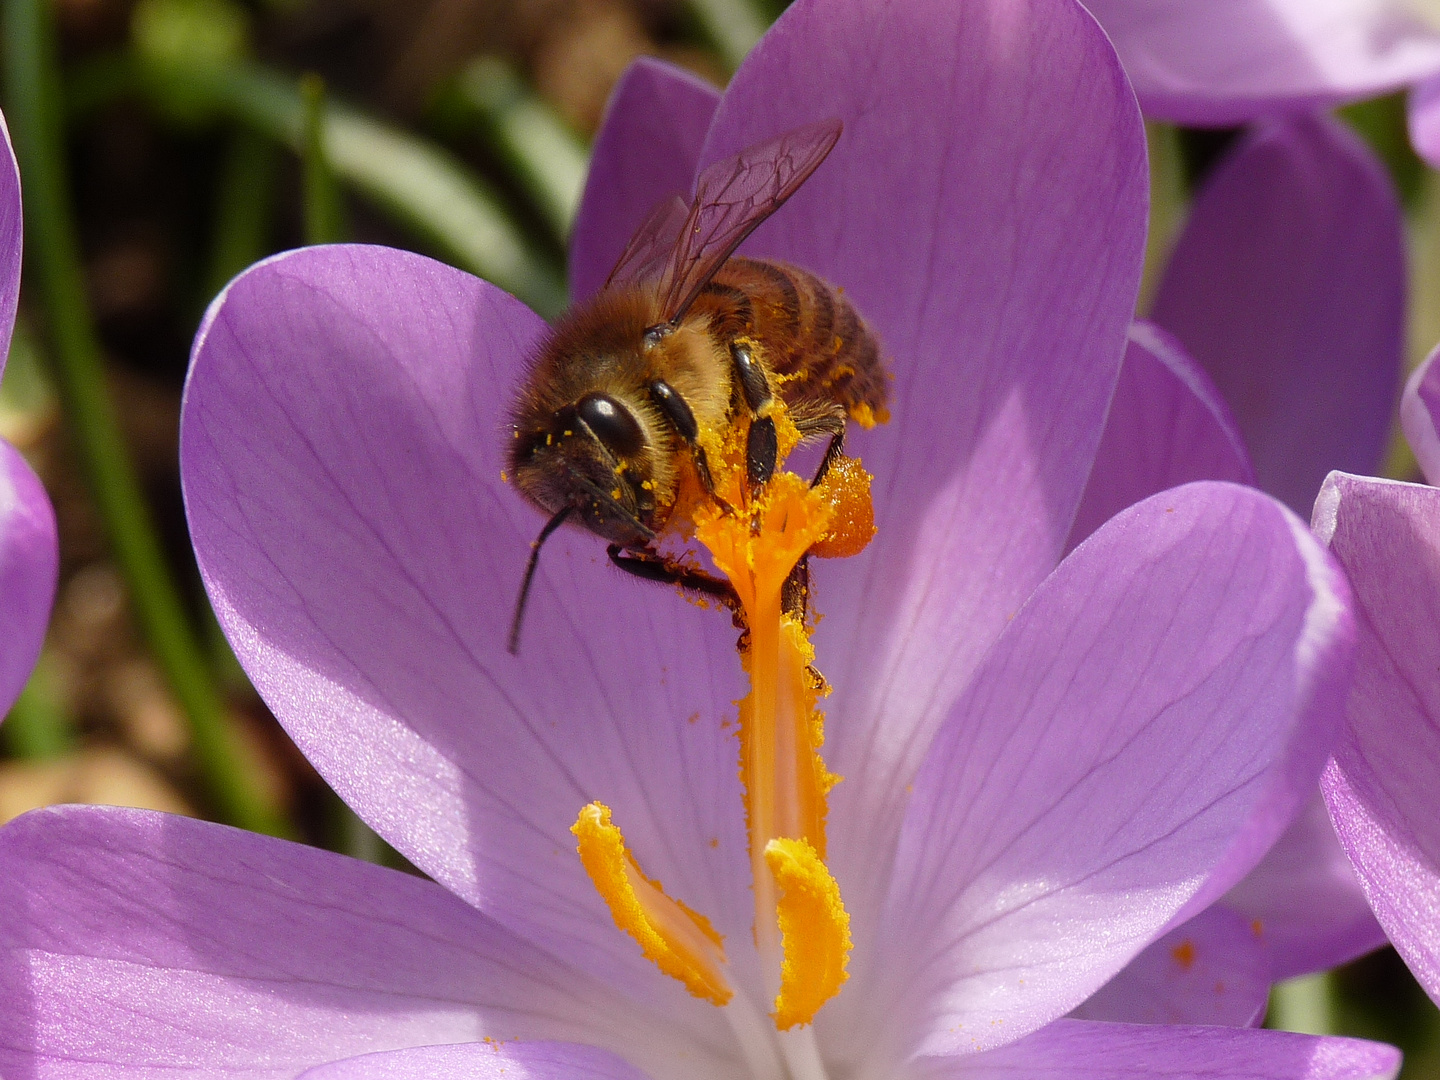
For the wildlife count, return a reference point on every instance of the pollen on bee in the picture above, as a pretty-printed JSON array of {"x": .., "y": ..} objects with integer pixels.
[
  {"x": 846, "y": 487},
  {"x": 868, "y": 417}
]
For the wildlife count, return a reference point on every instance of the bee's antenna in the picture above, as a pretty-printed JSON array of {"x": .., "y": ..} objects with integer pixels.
[{"x": 550, "y": 526}]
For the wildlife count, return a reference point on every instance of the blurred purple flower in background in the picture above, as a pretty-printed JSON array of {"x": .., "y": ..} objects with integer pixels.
[
  {"x": 1223, "y": 63},
  {"x": 29, "y": 561},
  {"x": 28, "y": 567},
  {"x": 1289, "y": 284},
  {"x": 1045, "y": 767}
]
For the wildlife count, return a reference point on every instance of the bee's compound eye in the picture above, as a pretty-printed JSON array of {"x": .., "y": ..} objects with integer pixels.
[{"x": 612, "y": 423}]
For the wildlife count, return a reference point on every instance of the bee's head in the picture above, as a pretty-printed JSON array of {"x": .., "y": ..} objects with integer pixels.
[{"x": 592, "y": 456}]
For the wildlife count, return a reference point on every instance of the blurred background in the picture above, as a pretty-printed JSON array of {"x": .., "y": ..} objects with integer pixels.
[{"x": 167, "y": 144}]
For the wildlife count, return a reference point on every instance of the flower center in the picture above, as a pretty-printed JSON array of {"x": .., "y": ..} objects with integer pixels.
[{"x": 759, "y": 541}]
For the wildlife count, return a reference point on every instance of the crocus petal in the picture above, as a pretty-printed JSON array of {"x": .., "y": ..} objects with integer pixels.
[
  {"x": 1288, "y": 285},
  {"x": 1419, "y": 410},
  {"x": 1305, "y": 901},
  {"x": 647, "y": 149},
  {"x": 1381, "y": 786},
  {"x": 29, "y": 563},
  {"x": 29, "y": 559},
  {"x": 1078, "y": 1050},
  {"x": 985, "y": 213},
  {"x": 1144, "y": 730},
  {"x": 11, "y": 230},
  {"x": 1225, "y": 62},
  {"x": 1212, "y": 970},
  {"x": 137, "y": 943},
  {"x": 341, "y": 450},
  {"x": 1424, "y": 118},
  {"x": 483, "y": 1061},
  {"x": 1167, "y": 425}
]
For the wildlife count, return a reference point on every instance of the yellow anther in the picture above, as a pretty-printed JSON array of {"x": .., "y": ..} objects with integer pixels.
[
  {"x": 814, "y": 931},
  {"x": 679, "y": 941}
]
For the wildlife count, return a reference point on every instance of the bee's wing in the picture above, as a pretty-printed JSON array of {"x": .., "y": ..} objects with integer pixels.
[
  {"x": 649, "y": 250},
  {"x": 732, "y": 197}
]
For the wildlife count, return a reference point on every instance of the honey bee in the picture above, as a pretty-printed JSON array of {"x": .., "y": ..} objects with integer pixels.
[{"x": 683, "y": 339}]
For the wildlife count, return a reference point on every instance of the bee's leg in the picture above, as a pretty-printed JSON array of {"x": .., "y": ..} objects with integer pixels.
[
  {"x": 833, "y": 451},
  {"x": 829, "y": 423},
  {"x": 761, "y": 445},
  {"x": 677, "y": 411},
  {"x": 795, "y": 600},
  {"x": 762, "y": 448},
  {"x": 795, "y": 591},
  {"x": 651, "y": 567}
]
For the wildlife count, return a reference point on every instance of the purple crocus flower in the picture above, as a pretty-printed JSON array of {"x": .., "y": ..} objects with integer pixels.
[
  {"x": 29, "y": 560},
  {"x": 1046, "y": 767},
  {"x": 1379, "y": 785},
  {"x": 1227, "y": 62},
  {"x": 1288, "y": 282}
]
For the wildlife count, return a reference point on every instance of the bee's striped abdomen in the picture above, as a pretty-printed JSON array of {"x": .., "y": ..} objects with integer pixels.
[{"x": 812, "y": 339}]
